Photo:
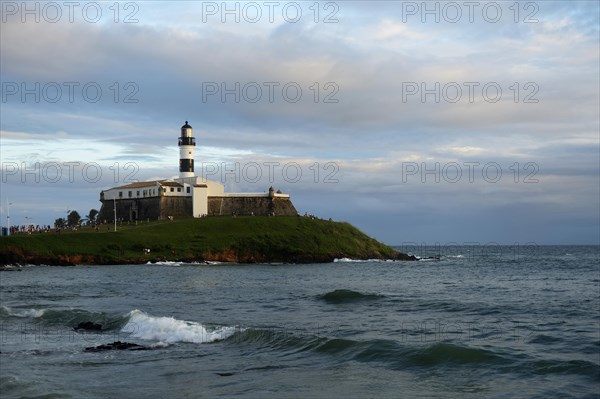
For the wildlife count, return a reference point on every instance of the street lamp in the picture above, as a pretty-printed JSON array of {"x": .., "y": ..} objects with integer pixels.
[
  {"x": 8, "y": 204},
  {"x": 115, "y": 211}
]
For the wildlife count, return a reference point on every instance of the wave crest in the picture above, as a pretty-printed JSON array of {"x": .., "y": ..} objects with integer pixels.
[
  {"x": 25, "y": 313},
  {"x": 170, "y": 330},
  {"x": 394, "y": 354}
]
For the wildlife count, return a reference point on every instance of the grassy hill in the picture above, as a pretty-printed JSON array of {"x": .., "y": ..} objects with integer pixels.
[{"x": 249, "y": 239}]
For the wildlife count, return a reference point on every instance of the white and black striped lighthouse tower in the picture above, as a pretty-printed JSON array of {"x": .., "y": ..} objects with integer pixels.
[{"x": 186, "y": 151}]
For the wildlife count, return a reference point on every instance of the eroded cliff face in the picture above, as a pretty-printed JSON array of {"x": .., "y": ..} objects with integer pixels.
[
  {"x": 20, "y": 257},
  {"x": 17, "y": 256}
]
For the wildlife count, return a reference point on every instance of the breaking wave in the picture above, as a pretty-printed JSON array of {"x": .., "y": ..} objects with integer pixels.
[
  {"x": 136, "y": 324},
  {"x": 170, "y": 330}
]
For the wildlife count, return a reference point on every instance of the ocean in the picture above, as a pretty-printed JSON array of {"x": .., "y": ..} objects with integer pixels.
[{"x": 464, "y": 322}]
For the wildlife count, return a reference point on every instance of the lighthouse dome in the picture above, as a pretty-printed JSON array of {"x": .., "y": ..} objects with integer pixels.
[{"x": 186, "y": 126}]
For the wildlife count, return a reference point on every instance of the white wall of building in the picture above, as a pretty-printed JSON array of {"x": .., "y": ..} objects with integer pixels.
[
  {"x": 200, "y": 201},
  {"x": 151, "y": 190},
  {"x": 177, "y": 191},
  {"x": 215, "y": 189}
]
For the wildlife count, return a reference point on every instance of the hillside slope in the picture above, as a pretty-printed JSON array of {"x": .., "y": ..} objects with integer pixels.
[{"x": 230, "y": 239}]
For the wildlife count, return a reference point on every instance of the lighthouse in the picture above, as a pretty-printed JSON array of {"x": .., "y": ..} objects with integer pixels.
[{"x": 186, "y": 151}]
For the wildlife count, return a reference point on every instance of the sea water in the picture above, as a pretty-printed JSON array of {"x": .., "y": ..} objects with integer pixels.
[{"x": 461, "y": 323}]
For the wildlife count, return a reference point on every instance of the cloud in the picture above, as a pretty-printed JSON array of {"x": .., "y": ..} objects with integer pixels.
[{"x": 366, "y": 62}]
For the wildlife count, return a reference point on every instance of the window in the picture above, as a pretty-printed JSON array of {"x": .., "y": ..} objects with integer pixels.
[
  {"x": 130, "y": 194},
  {"x": 178, "y": 189},
  {"x": 164, "y": 189},
  {"x": 172, "y": 189},
  {"x": 120, "y": 194},
  {"x": 188, "y": 190},
  {"x": 138, "y": 193}
]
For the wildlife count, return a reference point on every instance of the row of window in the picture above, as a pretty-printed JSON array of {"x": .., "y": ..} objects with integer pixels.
[
  {"x": 178, "y": 189},
  {"x": 149, "y": 192},
  {"x": 145, "y": 193}
]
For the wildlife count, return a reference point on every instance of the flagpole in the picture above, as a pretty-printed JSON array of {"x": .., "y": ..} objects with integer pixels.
[{"x": 115, "y": 210}]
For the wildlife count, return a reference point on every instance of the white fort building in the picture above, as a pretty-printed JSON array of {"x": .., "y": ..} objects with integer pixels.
[{"x": 188, "y": 195}]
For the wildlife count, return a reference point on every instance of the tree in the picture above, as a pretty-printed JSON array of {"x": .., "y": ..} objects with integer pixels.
[
  {"x": 73, "y": 219},
  {"x": 91, "y": 217},
  {"x": 60, "y": 223}
]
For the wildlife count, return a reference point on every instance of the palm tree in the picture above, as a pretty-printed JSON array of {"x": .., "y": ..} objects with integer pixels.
[{"x": 91, "y": 216}]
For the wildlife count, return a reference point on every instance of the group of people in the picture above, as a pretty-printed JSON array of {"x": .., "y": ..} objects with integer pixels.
[
  {"x": 66, "y": 228},
  {"x": 29, "y": 229},
  {"x": 308, "y": 215}
]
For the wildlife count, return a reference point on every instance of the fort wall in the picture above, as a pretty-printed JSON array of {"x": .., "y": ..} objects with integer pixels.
[
  {"x": 152, "y": 208},
  {"x": 162, "y": 207},
  {"x": 258, "y": 206}
]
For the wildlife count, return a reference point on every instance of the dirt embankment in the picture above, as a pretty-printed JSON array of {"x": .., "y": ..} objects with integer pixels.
[{"x": 17, "y": 256}]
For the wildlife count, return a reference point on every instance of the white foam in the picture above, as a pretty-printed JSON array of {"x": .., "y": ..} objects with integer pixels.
[
  {"x": 169, "y": 330},
  {"x": 348, "y": 260},
  {"x": 173, "y": 263},
  {"x": 35, "y": 313},
  {"x": 342, "y": 260},
  {"x": 160, "y": 344},
  {"x": 167, "y": 263}
]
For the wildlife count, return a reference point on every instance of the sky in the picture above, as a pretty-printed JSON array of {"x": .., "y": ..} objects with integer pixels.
[{"x": 418, "y": 122}]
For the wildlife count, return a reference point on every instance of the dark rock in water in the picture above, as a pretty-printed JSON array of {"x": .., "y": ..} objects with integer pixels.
[
  {"x": 347, "y": 296},
  {"x": 88, "y": 326},
  {"x": 225, "y": 374},
  {"x": 118, "y": 345}
]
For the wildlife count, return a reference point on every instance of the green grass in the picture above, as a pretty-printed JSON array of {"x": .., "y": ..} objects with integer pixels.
[{"x": 243, "y": 239}]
